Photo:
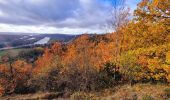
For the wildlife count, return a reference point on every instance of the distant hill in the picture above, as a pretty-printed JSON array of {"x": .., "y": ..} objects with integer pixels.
[{"x": 19, "y": 39}]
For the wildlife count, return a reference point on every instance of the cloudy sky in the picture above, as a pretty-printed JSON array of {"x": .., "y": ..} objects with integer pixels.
[{"x": 56, "y": 16}]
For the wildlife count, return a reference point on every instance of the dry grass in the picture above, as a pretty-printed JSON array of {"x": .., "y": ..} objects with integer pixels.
[
  {"x": 141, "y": 91},
  {"x": 36, "y": 96},
  {"x": 125, "y": 92}
]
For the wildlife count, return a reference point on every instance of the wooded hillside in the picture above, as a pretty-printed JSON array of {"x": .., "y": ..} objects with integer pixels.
[{"x": 138, "y": 52}]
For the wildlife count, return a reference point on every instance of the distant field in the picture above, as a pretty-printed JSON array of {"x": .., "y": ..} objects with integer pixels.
[
  {"x": 2, "y": 53},
  {"x": 12, "y": 52},
  {"x": 16, "y": 51},
  {"x": 14, "y": 39}
]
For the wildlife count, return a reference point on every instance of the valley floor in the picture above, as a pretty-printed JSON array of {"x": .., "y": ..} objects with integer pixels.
[{"x": 125, "y": 92}]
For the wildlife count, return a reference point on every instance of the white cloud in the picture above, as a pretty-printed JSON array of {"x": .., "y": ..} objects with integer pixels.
[
  {"x": 1, "y": 13},
  {"x": 54, "y": 16},
  {"x": 2, "y": 1},
  {"x": 46, "y": 29}
]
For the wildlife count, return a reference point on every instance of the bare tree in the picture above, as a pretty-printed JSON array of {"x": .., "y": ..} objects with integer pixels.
[
  {"x": 120, "y": 14},
  {"x": 119, "y": 18}
]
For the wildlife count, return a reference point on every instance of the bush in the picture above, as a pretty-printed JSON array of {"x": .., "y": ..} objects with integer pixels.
[
  {"x": 167, "y": 92},
  {"x": 59, "y": 80},
  {"x": 81, "y": 96},
  {"x": 56, "y": 81},
  {"x": 15, "y": 76},
  {"x": 109, "y": 76},
  {"x": 31, "y": 55},
  {"x": 129, "y": 66},
  {"x": 1, "y": 91},
  {"x": 145, "y": 65},
  {"x": 73, "y": 79},
  {"x": 147, "y": 97}
]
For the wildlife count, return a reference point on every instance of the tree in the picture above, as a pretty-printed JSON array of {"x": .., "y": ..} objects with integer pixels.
[
  {"x": 8, "y": 59},
  {"x": 153, "y": 10},
  {"x": 119, "y": 18},
  {"x": 148, "y": 40}
]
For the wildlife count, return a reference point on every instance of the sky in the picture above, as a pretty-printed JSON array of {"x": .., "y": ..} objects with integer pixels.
[{"x": 56, "y": 16}]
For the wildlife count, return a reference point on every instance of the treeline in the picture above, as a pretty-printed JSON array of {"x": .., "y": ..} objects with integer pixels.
[{"x": 94, "y": 62}]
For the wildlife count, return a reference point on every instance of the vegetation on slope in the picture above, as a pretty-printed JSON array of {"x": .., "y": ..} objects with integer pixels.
[{"x": 140, "y": 54}]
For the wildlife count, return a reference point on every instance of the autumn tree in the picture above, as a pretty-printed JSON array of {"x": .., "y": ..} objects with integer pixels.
[
  {"x": 8, "y": 59},
  {"x": 153, "y": 10},
  {"x": 156, "y": 16},
  {"x": 22, "y": 74},
  {"x": 18, "y": 79},
  {"x": 147, "y": 36}
]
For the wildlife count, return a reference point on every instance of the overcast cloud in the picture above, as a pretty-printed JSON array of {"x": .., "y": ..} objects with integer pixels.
[{"x": 55, "y": 16}]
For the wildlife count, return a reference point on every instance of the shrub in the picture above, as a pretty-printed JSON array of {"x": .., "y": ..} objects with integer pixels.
[
  {"x": 146, "y": 64},
  {"x": 147, "y": 97},
  {"x": 109, "y": 75},
  {"x": 14, "y": 78},
  {"x": 167, "y": 92},
  {"x": 73, "y": 78},
  {"x": 31, "y": 55},
  {"x": 81, "y": 96},
  {"x": 1, "y": 91},
  {"x": 129, "y": 66}
]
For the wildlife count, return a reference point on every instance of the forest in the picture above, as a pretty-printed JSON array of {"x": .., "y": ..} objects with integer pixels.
[{"x": 137, "y": 53}]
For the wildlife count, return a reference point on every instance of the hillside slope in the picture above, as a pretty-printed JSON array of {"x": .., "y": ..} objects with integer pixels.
[{"x": 13, "y": 39}]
